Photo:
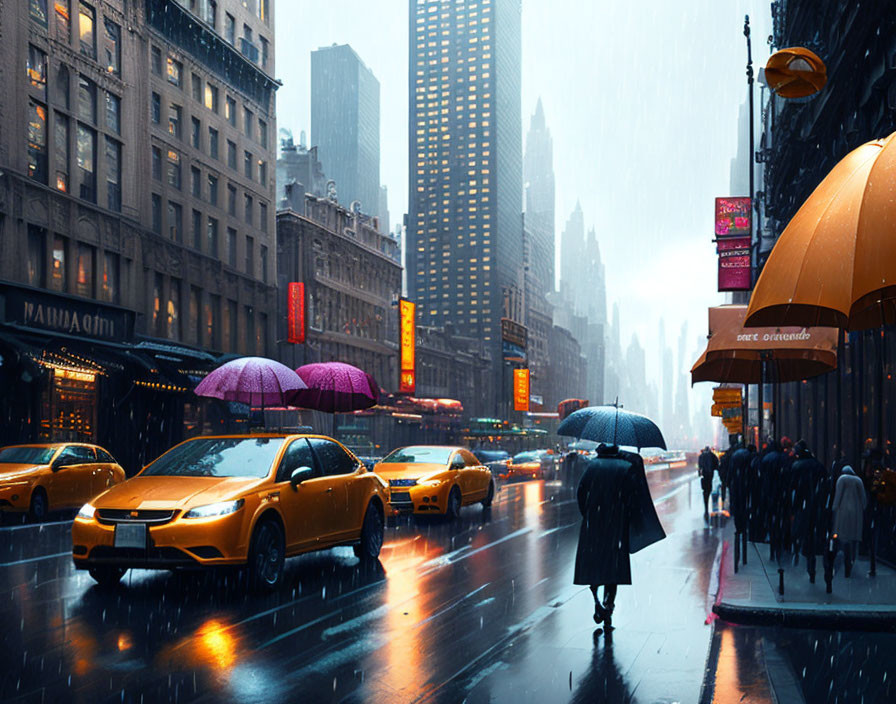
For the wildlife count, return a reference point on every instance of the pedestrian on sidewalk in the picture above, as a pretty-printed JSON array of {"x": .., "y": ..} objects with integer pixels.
[
  {"x": 810, "y": 506},
  {"x": 611, "y": 505},
  {"x": 725, "y": 469},
  {"x": 757, "y": 525},
  {"x": 848, "y": 507},
  {"x": 707, "y": 465},
  {"x": 740, "y": 476},
  {"x": 773, "y": 493}
]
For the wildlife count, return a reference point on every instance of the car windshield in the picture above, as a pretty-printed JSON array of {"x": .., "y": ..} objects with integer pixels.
[
  {"x": 418, "y": 455},
  {"x": 26, "y": 455},
  {"x": 218, "y": 457},
  {"x": 530, "y": 456}
]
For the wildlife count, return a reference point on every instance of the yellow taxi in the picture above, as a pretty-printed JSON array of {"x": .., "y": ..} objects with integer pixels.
[
  {"x": 233, "y": 500},
  {"x": 527, "y": 465},
  {"x": 435, "y": 479},
  {"x": 51, "y": 477}
]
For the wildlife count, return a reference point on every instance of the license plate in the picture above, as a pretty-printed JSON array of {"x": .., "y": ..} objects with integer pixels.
[{"x": 130, "y": 535}]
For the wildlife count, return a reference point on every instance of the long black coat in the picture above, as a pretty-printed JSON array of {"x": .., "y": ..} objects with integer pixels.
[
  {"x": 810, "y": 509},
  {"x": 740, "y": 480},
  {"x": 759, "y": 509},
  {"x": 644, "y": 525},
  {"x": 707, "y": 463},
  {"x": 605, "y": 496}
]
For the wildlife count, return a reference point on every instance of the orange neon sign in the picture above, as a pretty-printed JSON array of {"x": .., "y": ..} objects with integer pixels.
[
  {"x": 407, "y": 325},
  {"x": 521, "y": 389}
]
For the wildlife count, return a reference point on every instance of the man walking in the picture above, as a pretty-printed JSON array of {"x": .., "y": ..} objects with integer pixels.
[
  {"x": 810, "y": 506},
  {"x": 740, "y": 479},
  {"x": 707, "y": 464}
]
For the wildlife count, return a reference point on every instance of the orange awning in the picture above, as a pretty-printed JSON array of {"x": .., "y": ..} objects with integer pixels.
[{"x": 734, "y": 353}]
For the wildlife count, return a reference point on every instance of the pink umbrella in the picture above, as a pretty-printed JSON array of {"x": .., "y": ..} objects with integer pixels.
[
  {"x": 256, "y": 381},
  {"x": 336, "y": 387}
]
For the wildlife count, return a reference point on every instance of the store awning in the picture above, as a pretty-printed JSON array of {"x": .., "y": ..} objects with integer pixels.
[{"x": 734, "y": 354}]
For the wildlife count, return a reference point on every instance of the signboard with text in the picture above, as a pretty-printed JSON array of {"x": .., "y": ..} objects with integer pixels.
[
  {"x": 295, "y": 313},
  {"x": 521, "y": 389},
  {"x": 735, "y": 272},
  {"x": 733, "y": 217},
  {"x": 407, "y": 382},
  {"x": 514, "y": 339}
]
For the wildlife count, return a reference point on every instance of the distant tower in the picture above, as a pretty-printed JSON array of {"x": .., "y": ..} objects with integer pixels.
[
  {"x": 538, "y": 176},
  {"x": 572, "y": 245}
]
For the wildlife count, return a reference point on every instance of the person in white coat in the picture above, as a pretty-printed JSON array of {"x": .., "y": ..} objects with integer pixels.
[{"x": 848, "y": 508}]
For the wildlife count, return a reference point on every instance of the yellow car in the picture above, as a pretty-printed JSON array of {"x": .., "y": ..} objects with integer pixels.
[
  {"x": 233, "y": 500},
  {"x": 50, "y": 477},
  {"x": 435, "y": 479}
]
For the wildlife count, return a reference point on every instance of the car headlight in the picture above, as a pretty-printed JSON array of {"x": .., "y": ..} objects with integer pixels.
[
  {"x": 429, "y": 482},
  {"x": 86, "y": 511},
  {"x": 222, "y": 508}
]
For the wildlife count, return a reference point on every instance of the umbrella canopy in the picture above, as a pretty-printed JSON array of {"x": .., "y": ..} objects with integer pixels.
[
  {"x": 734, "y": 354},
  {"x": 336, "y": 387},
  {"x": 835, "y": 263},
  {"x": 612, "y": 425},
  {"x": 256, "y": 381}
]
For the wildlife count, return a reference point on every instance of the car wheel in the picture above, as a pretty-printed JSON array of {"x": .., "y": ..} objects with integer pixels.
[
  {"x": 266, "y": 555},
  {"x": 371, "y": 535},
  {"x": 39, "y": 506},
  {"x": 454, "y": 501},
  {"x": 490, "y": 496},
  {"x": 107, "y": 576}
]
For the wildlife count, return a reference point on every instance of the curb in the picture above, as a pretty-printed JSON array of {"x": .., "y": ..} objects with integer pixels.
[{"x": 828, "y": 620}]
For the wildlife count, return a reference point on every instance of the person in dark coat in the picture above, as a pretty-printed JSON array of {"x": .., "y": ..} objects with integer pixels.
[
  {"x": 606, "y": 496},
  {"x": 758, "y": 522},
  {"x": 811, "y": 497},
  {"x": 725, "y": 469},
  {"x": 644, "y": 525},
  {"x": 707, "y": 465},
  {"x": 740, "y": 474},
  {"x": 772, "y": 502}
]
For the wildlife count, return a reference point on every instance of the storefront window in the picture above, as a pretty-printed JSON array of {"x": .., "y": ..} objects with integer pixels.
[
  {"x": 109, "y": 281},
  {"x": 112, "y": 47},
  {"x": 63, "y": 20},
  {"x": 84, "y": 278},
  {"x": 57, "y": 274},
  {"x": 86, "y": 24},
  {"x": 37, "y": 255},
  {"x": 61, "y": 145},
  {"x": 113, "y": 174},
  {"x": 173, "y": 318},
  {"x": 70, "y": 406},
  {"x": 87, "y": 163},
  {"x": 37, "y": 141},
  {"x": 37, "y": 70}
]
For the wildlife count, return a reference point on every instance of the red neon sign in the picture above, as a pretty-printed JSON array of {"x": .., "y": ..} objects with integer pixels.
[{"x": 295, "y": 304}]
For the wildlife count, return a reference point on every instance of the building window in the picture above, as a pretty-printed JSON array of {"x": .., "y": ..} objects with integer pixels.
[
  {"x": 86, "y": 100},
  {"x": 113, "y": 113},
  {"x": 211, "y": 97},
  {"x": 58, "y": 271},
  {"x": 157, "y": 213},
  {"x": 109, "y": 282},
  {"x": 62, "y": 86},
  {"x": 248, "y": 209},
  {"x": 231, "y": 154},
  {"x": 175, "y": 222},
  {"x": 231, "y": 200},
  {"x": 36, "y": 70},
  {"x": 263, "y": 173},
  {"x": 37, "y": 141},
  {"x": 250, "y": 256},
  {"x": 213, "y": 237},
  {"x": 86, "y": 24},
  {"x": 157, "y": 163},
  {"x": 263, "y": 217},
  {"x": 211, "y": 13},
  {"x": 263, "y": 133},
  {"x": 113, "y": 175},
  {"x": 86, "y": 153},
  {"x": 229, "y": 28},
  {"x": 197, "y": 230},
  {"x": 38, "y": 11},
  {"x": 112, "y": 47},
  {"x": 155, "y": 108},
  {"x": 175, "y": 68},
  {"x": 213, "y": 189},
  {"x": 247, "y": 164},
  {"x": 230, "y": 110},
  {"x": 247, "y": 33},
  {"x": 195, "y": 129},
  {"x": 195, "y": 319},
  {"x": 84, "y": 279},
  {"x": 174, "y": 115},
  {"x": 156, "y": 60},
  {"x": 265, "y": 49},
  {"x": 248, "y": 121},
  {"x": 61, "y": 149},
  {"x": 37, "y": 256},
  {"x": 63, "y": 23},
  {"x": 173, "y": 169},
  {"x": 195, "y": 182},
  {"x": 156, "y": 303},
  {"x": 231, "y": 247},
  {"x": 264, "y": 263},
  {"x": 197, "y": 88},
  {"x": 173, "y": 310},
  {"x": 213, "y": 142},
  {"x": 229, "y": 330},
  {"x": 262, "y": 10}
]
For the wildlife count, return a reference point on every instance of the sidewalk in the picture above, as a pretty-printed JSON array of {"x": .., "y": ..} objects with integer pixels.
[{"x": 860, "y": 603}]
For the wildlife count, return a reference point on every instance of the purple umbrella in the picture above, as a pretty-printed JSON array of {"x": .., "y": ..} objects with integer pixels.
[
  {"x": 336, "y": 387},
  {"x": 256, "y": 381}
]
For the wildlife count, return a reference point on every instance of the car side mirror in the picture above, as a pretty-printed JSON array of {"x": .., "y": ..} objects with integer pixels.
[
  {"x": 299, "y": 475},
  {"x": 60, "y": 463},
  {"x": 458, "y": 463}
]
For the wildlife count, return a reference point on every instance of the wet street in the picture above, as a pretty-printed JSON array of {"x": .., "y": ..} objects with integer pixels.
[{"x": 481, "y": 610}]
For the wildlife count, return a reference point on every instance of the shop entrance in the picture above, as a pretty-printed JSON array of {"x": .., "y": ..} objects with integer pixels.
[{"x": 69, "y": 406}]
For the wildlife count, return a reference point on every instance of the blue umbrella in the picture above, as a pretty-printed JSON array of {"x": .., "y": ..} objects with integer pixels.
[{"x": 612, "y": 425}]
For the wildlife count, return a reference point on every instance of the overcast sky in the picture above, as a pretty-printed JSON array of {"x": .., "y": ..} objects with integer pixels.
[{"x": 641, "y": 98}]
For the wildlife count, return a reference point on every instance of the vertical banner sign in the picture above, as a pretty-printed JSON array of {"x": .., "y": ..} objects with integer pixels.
[
  {"x": 296, "y": 313},
  {"x": 734, "y": 231},
  {"x": 521, "y": 389},
  {"x": 407, "y": 322}
]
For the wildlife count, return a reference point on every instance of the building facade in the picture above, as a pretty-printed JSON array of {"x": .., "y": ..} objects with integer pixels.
[
  {"x": 299, "y": 165},
  {"x": 465, "y": 168},
  {"x": 127, "y": 268},
  {"x": 450, "y": 366},
  {"x": 345, "y": 124}
]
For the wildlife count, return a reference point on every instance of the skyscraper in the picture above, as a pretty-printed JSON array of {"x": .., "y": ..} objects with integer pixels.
[
  {"x": 572, "y": 243},
  {"x": 465, "y": 170},
  {"x": 345, "y": 124},
  {"x": 538, "y": 175}
]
